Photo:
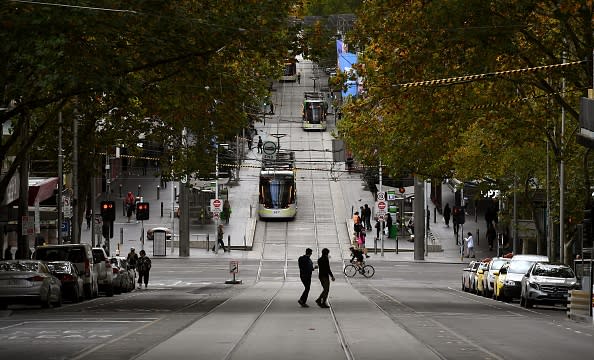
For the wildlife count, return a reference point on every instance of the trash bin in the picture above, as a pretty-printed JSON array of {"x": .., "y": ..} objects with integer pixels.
[{"x": 393, "y": 232}]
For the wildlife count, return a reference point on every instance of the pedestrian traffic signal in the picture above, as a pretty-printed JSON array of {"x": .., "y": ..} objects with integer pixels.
[
  {"x": 458, "y": 215},
  {"x": 108, "y": 210},
  {"x": 142, "y": 211}
]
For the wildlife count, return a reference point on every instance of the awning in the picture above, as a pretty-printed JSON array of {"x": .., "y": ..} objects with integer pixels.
[{"x": 41, "y": 189}]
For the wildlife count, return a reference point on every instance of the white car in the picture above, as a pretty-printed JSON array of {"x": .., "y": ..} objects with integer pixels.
[
  {"x": 104, "y": 271},
  {"x": 28, "y": 281},
  {"x": 490, "y": 274}
]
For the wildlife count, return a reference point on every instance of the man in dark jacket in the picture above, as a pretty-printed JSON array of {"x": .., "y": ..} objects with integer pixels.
[
  {"x": 325, "y": 274},
  {"x": 306, "y": 267}
]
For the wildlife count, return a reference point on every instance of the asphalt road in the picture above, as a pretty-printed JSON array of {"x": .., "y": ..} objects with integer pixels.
[{"x": 424, "y": 299}]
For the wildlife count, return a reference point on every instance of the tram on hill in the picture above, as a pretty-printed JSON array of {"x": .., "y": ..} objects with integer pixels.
[
  {"x": 290, "y": 70},
  {"x": 277, "y": 187},
  {"x": 315, "y": 111}
]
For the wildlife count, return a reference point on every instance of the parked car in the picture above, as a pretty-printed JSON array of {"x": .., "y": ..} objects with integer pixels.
[
  {"x": 481, "y": 273},
  {"x": 78, "y": 254},
  {"x": 28, "y": 282},
  {"x": 499, "y": 281},
  {"x": 72, "y": 282},
  {"x": 104, "y": 271},
  {"x": 547, "y": 284},
  {"x": 150, "y": 233},
  {"x": 469, "y": 276},
  {"x": 491, "y": 273},
  {"x": 123, "y": 275},
  {"x": 518, "y": 266}
]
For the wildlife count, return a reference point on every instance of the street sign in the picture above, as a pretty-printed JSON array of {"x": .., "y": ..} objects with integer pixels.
[
  {"x": 65, "y": 228},
  {"x": 381, "y": 207},
  {"x": 233, "y": 267},
  {"x": 381, "y": 196},
  {"x": 391, "y": 195},
  {"x": 216, "y": 216},
  {"x": 216, "y": 205},
  {"x": 269, "y": 148}
]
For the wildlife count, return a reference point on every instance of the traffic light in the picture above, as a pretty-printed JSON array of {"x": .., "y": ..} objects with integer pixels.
[
  {"x": 458, "y": 215},
  {"x": 108, "y": 210},
  {"x": 142, "y": 211}
]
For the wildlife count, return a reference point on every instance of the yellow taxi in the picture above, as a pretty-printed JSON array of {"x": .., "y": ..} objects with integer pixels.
[
  {"x": 481, "y": 272},
  {"x": 499, "y": 281}
]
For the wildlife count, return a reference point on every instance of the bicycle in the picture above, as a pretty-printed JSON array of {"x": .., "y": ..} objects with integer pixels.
[{"x": 364, "y": 269}]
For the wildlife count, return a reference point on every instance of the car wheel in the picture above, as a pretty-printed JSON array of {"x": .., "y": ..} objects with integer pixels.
[
  {"x": 58, "y": 302},
  {"x": 46, "y": 303},
  {"x": 109, "y": 291}
]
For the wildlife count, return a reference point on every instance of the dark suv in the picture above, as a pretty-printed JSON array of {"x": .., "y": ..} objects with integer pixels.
[
  {"x": 547, "y": 284},
  {"x": 78, "y": 254}
]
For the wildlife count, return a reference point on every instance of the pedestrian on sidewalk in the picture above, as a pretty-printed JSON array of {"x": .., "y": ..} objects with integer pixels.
[
  {"x": 299, "y": 77},
  {"x": 130, "y": 200},
  {"x": 378, "y": 228},
  {"x": 447, "y": 212},
  {"x": 306, "y": 268},
  {"x": 144, "y": 268},
  {"x": 491, "y": 235},
  {"x": 469, "y": 245},
  {"x": 250, "y": 142},
  {"x": 367, "y": 213},
  {"x": 324, "y": 274},
  {"x": 88, "y": 218},
  {"x": 260, "y": 143},
  {"x": 226, "y": 211},
  {"x": 221, "y": 243}
]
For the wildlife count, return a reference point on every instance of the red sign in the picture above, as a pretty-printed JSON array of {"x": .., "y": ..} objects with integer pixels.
[
  {"x": 216, "y": 203},
  {"x": 381, "y": 205},
  {"x": 402, "y": 190}
]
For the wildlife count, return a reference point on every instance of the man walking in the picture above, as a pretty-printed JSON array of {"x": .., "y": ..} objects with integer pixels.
[
  {"x": 367, "y": 216},
  {"x": 144, "y": 267},
  {"x": 260, "y": 143},
  {"x": 325, "y": 274},
  {"x": 306, "y": 267}
]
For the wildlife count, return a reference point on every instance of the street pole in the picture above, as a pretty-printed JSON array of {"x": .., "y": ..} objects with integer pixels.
[
  {"x": 60, "y": 183},
  {"x": 380, "y": 190},
  {"x": 562, "y": 179},
  {"x": 216, "y": 197},
  {"x": 74, "y": 203},
  {"x": 419, "y": 247}
]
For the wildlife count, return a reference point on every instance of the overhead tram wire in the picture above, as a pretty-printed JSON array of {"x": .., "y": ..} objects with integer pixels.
[{"x": 471, "y": 78}]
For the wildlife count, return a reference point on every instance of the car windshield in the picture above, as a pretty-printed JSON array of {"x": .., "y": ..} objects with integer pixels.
[
  {"x": 19, "y": 266},
  {"x": 497, "y": 264},
  {"x": 519, "y": 266},
  {"x": 553, "y": 271}
]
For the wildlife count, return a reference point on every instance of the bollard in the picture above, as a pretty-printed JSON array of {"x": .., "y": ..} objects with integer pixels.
[
  {"x": 434, "y": 215},
  {"x": 396, "y": 243},
  {"x": 229, "y": 243},
  {"x": 250, "y": 211},
  {"x": 122, "y": 236},
  {"x": 244, "y": 243},
  {"x": 139, "y": 190},
  {"x": 161, "y": 209},
  {"x": 158, "y": 192},
  {"x": 375, "y": 245},
  {"x": 120, "y": 190},
  {"x": 207, "y": 242},
  {"x": 478, "y": 242}
]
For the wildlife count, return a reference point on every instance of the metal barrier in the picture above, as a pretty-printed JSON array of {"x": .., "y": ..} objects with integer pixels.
[{"x": 578, "y": 306}]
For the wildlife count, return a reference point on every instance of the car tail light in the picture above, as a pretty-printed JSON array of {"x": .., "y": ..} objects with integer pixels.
[
  {"x": 36, "y": 278},
  {"x": 87, "y": 268},
  {"x": 67, "y": 277}
]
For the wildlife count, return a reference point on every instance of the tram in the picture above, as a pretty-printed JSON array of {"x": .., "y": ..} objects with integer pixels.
[
  {"x": 315, "y": 111},
  {"x": 277, "y": 187},
  {"x": 290, "y": 71}
]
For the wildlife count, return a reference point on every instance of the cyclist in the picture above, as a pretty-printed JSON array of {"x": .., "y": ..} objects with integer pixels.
[{"x": 357, "y": 254}]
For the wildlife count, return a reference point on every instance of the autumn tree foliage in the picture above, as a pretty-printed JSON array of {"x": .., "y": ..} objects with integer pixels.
[{"x": 501, "y": 125}]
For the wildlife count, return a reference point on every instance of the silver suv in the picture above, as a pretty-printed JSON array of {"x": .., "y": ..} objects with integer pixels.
[
  {"x": 104, "y": 271},
  {"x": 547, "y": 283}
]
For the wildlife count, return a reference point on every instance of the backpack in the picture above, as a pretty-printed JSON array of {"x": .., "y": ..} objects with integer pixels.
[{"x": 144, "y": 264}]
